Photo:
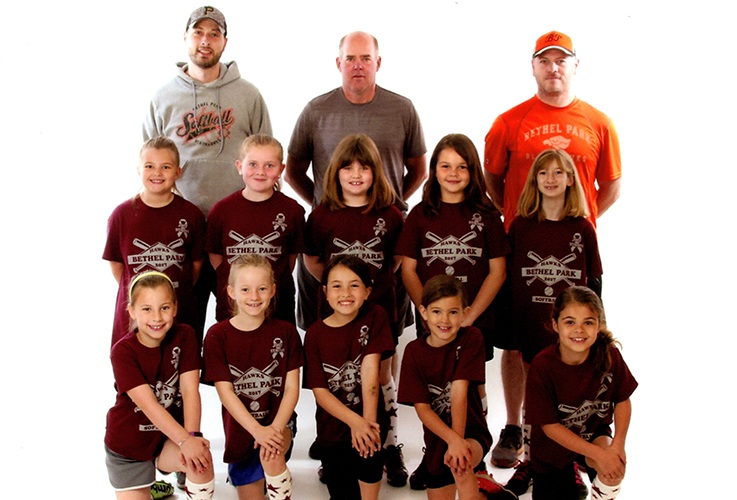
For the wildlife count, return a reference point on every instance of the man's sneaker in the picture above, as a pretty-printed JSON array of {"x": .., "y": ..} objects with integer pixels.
[
  {"x": 520, "y": 481},
  {"x": 181, "y": 479},
  {"x": 493, "y": 490},
  {"x": 161, "y": 489},
  {"x": 418, "y": 479},
  {"x": 505, "y": 454},
  {"x": 583, "y": 491},
  {"x": 396, "y": 472}
]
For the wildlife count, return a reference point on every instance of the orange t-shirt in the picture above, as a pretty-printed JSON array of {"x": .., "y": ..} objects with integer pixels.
[{"x": 517, "y": 136}]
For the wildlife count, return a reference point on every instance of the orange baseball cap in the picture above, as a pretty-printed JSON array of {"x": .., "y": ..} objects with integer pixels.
[{"x": 554, "y": 40}]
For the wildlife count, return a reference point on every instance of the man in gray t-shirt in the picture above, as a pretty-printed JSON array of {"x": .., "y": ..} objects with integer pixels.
[{"x": 357, "y": 106}]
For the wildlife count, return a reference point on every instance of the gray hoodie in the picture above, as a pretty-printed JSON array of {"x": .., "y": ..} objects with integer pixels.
[{"x": 190, "y": 113}]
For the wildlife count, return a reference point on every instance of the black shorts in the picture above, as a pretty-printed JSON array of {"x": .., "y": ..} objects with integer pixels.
[
  {"x": 343, "y": 468},
  {"x": 439, "y": 474},
  {"x": 500, "y": 333}
]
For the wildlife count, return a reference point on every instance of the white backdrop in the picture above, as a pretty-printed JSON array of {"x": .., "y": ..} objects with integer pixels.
[{"x": 77, "y": 79}]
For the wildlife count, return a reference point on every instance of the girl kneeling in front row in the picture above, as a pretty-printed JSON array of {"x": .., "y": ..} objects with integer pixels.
[
  {"x": 575, "y": 391},
  {"x": 155, "y": 422},
  {"x": 254, "y": 360},
  {"x": 440, "y": 376},
  {"x": 343, "y": 353}
]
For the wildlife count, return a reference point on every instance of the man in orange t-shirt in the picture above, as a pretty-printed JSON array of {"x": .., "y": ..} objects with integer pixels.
[{"x": 553, "y": 118}]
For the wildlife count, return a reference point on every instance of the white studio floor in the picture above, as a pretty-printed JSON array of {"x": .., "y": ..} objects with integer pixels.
[{"x": 304, "y": 469}]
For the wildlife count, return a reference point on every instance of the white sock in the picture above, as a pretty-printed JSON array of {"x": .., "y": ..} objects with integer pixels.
[
  {"x": 279, "y": 487},
  {"x": 600, "y": 491},
  {"x": 389, "y": 392},
  {"x": 199, "y": 491}
]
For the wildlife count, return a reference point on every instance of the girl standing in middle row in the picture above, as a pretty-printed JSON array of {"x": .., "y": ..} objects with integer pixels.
[
  {"x": 554, "y": 246},
  {"x": 259, "y": 219},
  {"x": 357, "y": 217},
  {"x": 456, "y": 230}
]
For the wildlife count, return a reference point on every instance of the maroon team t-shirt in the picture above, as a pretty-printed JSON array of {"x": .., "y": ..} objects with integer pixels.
[
  {"x": 575, "y": 396},
  {"x": 458, "y": 242},
  {"x": 333, "y": 361},
  {"x": 129, "y": 432},
  {"x": 426, "y": 376},
  {"x": 272, "y": 228},
  {"x": 166, "y": 239},
  {"x": 370, "y": 236},
  {"x": 257, "y": 363},
  {"x": 547, "y": 257}
]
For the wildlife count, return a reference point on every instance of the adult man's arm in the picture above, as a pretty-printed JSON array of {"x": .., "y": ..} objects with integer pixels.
[
  {"x": 415, "y": 176},
  {"x": 607, "y": 194},
  {"x": 151, "y": 127},
  {"x": 495, "y": 188},
  {"x": 296, "y": 175}
]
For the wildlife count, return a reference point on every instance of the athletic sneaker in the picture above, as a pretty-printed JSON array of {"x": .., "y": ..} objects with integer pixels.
[
  {"x": 583, "y": 491},
  {"x": 493, "y": 490},
  {"x": 161, "y": 489},
  {"x": 505, "y": 454},
  {"x": 418, "y": 479},
  {"x": 520, "y": 481},
  {"x": 181, "y": 479},
  {"x": 396, "y": 472}
]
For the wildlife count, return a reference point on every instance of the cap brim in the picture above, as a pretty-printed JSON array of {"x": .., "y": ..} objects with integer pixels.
[
  {"x": 195, "y": 21},
  {"x": 562, "y": 49}
]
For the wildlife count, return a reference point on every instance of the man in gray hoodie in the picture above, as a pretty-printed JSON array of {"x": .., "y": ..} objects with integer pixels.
[{"x": 207, "y": 110}]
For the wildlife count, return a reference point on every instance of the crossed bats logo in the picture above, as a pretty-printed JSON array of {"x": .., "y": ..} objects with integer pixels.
[
  {"x": 159, "y": 256},
  {"x": 577, "y": 417},
  {"x": 451, "y": 249},
  {"x": 254, "y": 244},
  {"x": 440, "y": 398},
  {"x": 346, "y": 378},
  {"x": 254, "y": 382}
]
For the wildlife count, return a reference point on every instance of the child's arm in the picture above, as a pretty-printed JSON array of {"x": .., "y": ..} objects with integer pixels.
[
  {"x": 196, "y": 268},
  {"x": 622, "y": 416},
  {"x": 289, "y": 400},
  {"x": 412, "y": 280},
  {"x": 266, "y": 437},
  {"x": 370, "y": 390},
  {"x": 362, "y": 431},
  {"x": 215, "y": 259},
  {"x": 489, "y": 288},
  {"x": 189, "y": 385},
  {"x": 456, "y": 443},
  {"x": 609, "y": 461},
  {"x": 194, "y": 451},
  {"x": 313, "y": 265},
  {"x": 459, "y": 459},
  {"x": 287, "y": 406},
  {"x": 118, "y": 268}
]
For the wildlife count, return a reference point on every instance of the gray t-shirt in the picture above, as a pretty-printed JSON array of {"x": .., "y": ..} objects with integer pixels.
[{"x": 389, "y": 119}]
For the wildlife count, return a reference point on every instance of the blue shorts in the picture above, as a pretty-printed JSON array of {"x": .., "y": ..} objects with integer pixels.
[
  {"x": 246, "y": 471},
  {"x": 249, "y": 470}
]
